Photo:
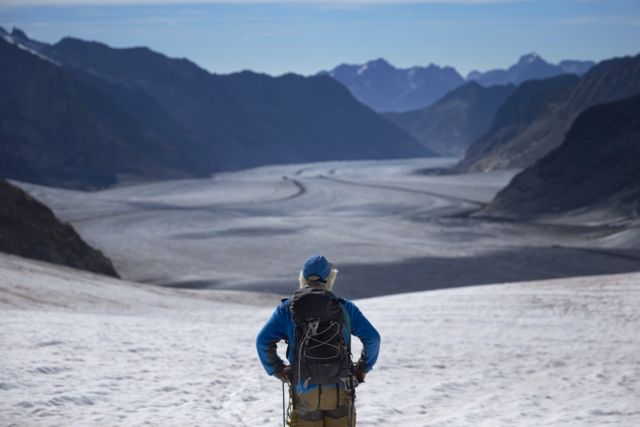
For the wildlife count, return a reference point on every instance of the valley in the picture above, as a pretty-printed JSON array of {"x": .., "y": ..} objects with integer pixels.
[{"x": 387, "y": 225}]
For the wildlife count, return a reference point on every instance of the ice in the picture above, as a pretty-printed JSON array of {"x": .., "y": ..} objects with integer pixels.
[{"x": 388, "y": 227}]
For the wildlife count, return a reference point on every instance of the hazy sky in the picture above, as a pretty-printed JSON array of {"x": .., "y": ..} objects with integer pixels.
[{"x": 306, "y": 36}]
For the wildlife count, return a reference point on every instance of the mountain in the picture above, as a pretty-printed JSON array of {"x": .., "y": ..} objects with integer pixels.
[
  {"x": 519, "y": 138},
  {"x": 384, "y": 87},
  {"x": 597, "y": 166},
  {"x": 451, "y": 124},
  {"x": 519, "y": 110},
  {"x": 576, "y": 67},
  {"x": 247, "y": 119},
  {"x": 529, "y": 67},
  {"x": 29, "y": 229},
  {"x": 141, "y": 113},
  {"x": 57, "y": 130}
]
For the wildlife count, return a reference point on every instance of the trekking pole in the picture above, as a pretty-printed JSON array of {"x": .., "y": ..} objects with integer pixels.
[
  {"x": 283, "y": 417},
  {"x": 352, "y": 409}
]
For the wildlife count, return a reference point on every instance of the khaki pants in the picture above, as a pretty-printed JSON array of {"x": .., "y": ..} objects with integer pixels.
[{"x": 323, "y": 407}]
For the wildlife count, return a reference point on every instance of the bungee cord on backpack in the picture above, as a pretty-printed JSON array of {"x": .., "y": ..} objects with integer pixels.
[{"x": 322, "y": 343}]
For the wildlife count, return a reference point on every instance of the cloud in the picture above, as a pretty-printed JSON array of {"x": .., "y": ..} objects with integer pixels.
[{"x": 633, "y": 21}]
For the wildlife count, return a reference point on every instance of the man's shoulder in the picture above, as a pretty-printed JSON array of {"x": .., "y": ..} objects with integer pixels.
[
  {"x": 347, "y": 303},
  {"x": 284, "y": 305}
]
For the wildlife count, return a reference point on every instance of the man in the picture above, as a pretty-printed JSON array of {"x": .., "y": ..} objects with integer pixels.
[{"x": 317, "y": 325}]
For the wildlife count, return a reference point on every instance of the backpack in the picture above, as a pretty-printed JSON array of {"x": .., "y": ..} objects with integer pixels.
[{"x": 321, "y": 354}]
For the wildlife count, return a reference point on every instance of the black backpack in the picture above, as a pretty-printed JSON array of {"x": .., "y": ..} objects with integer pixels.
[{"x": 321, "y": 354}]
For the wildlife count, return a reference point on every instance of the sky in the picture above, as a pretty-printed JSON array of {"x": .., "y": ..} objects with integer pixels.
[{"x": 306, "y": 36}]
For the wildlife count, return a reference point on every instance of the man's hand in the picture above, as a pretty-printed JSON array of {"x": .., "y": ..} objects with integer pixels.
[
  {"x": 359, "y": 371},
  {"x": 283, "y": 373}
]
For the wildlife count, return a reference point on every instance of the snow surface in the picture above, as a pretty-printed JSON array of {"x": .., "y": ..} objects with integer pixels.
[
  {"x": 80, "y": 349},
  {"x": 84, "y": 350},
  {"x": 388, "y": 227}
]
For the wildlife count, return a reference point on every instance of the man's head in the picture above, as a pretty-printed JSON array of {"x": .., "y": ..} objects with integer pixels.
[{"x": 317, "y": 271}]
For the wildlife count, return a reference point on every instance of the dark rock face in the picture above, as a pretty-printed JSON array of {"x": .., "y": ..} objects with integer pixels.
[
  {"x": 103, "y": 113},
  {"x": 29, "y": 229},
  {"x": 450, "y": 125},
  {"x": 522, "y": 107},
  {"x": 385, "y": 88},
  {"x": 597, "y": 166},
  {"x": 539, "y": 132},
  {"x": 529, "y": 67},
  {"x": 57, "y": 130}
]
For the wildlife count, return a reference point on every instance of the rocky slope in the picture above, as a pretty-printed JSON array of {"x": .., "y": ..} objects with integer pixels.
[
  {"x": 597, "y": 167},
  {"x": 450, "y": 125},
  {"x": 57, "y": 130},
  {"x": 518, "y": 111},
  {"x": 537, "y": 133},
  {"x": 29, "y": 229}
]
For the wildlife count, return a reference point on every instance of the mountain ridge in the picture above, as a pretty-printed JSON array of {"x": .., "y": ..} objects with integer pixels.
[
  {"x": 594, "y": 168},
  {"x": 530, "y": 66},
  {"x": 198, "y": 122},
  {"x": 452, "y": 123},
  {"x": 538, "y": 134},
  {"x": 529, "y": 100},
  {"x": 61, "y": 131},
  {"x": 386, "y": 88},
  {"x": 390, "y": 89}
]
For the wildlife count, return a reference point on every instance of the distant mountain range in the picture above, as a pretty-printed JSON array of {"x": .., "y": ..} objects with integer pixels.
[
  {"x": 451, "y": 124},
  {"x": 535, "y": 118},
  {"x": 596, "y": 167},
  {"x": 386, "y": 88},
  {"x": 529, "y": 67},
  {"x": 29, "y": 229},
  {"x": 83, "y": 114}
]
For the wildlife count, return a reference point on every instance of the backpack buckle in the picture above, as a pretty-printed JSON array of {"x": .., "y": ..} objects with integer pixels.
[{"x": 313, "y": 327}]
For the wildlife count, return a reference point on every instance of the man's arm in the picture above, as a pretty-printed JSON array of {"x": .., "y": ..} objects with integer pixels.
[
  {"x": 266, "y": 342},
  {"x": 363, "y": 329}
]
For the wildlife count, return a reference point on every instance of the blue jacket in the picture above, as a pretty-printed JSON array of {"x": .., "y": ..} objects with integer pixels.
[{"x": 281, "y": 326}]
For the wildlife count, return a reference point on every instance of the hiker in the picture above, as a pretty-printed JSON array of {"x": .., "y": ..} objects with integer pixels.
[{"x": 317, "y": 326}]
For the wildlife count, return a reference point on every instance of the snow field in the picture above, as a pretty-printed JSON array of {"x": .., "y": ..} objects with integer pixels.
[{"x": 80, "y": 349}]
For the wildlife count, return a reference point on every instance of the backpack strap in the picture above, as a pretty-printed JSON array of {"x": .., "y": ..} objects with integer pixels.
[{"x": 347, "y": 321}]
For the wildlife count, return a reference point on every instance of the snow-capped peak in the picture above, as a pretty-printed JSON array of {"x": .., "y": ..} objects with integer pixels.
[
  {"x": 19, "y": 39},
  {"x": 380, "y": 62},
  {"x": 530, "y": 58},
  {"x": 13, "y": 41}
]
